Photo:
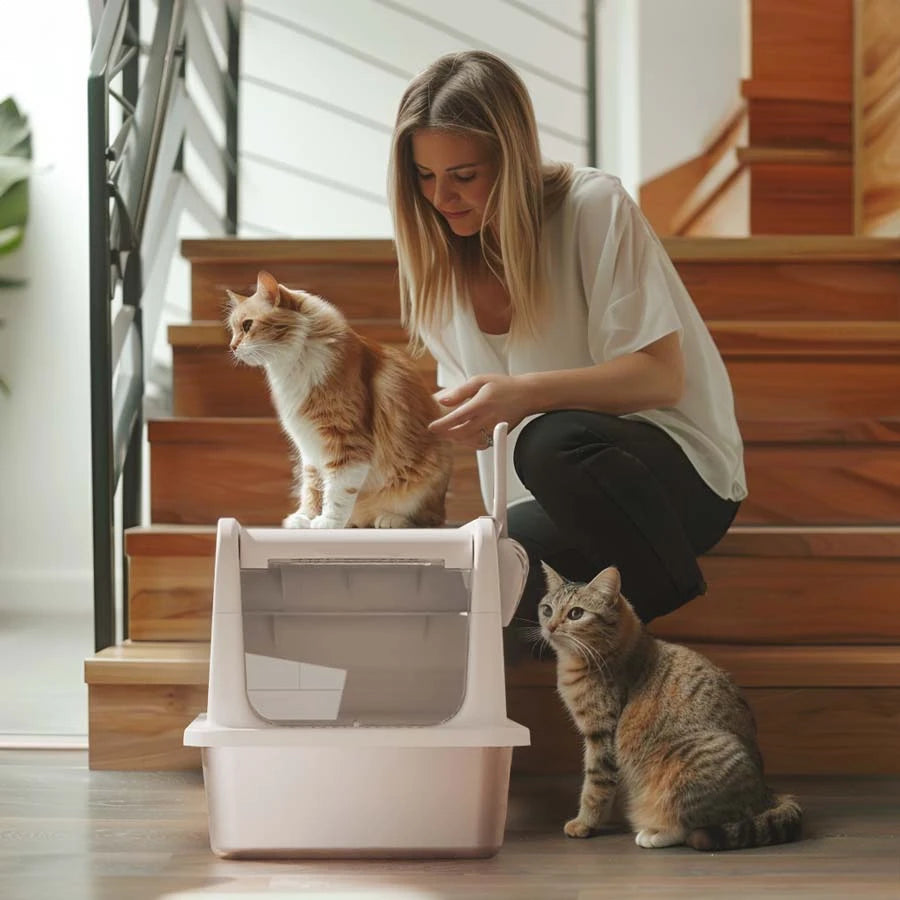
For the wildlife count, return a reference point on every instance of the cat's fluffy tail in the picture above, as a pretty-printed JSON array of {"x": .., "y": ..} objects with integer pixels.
[{"x": 779, "y": 824}]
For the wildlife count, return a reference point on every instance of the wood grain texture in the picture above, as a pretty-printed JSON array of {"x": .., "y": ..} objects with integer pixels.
[
  {"x": 144, "y": 836},
  {"x": 792, "y": 290},
  {"x": 169, "y": 597},
  {"x": 801, "y": 198},
  {"x": 766, "y": 585},
  {"x": 202, "y": 469},
  {"x": 806, "y": 730},
  {"x": 198, "y": 473},
  {"x": 141, "y": 726},
  {"x": 878, "y": 117},
  {"x": 821, "y": 485},
  {"x": 361, "y": 289},
  {"x": 792, "y": 121},
  {"x": 805, "y": 44}
]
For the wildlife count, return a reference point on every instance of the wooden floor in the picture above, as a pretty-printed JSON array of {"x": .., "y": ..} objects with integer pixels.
[{"x": 66, "y": 832}]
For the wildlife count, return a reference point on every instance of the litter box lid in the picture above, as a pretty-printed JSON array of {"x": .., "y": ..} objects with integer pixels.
[{"x": 201, "y": 733}]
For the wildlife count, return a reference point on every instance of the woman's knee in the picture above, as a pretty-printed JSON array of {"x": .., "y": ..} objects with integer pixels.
[{"x": 542, "y": 443}]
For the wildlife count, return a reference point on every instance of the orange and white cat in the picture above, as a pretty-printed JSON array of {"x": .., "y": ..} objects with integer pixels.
[{"x": 356, "y": 411}]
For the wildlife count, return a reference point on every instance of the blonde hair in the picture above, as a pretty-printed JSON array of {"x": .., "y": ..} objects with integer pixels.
[{"x": 476, "y": 94}]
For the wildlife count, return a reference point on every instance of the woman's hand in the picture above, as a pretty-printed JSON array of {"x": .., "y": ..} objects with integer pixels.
[{"x": 480, "y": 403}]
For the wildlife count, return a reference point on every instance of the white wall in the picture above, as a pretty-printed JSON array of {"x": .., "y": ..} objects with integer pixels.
[
  {"x": 691, "y": 64},
  {"x": 669, "y": 73},
  {"x": 45, "y": 522},
  {"x": 322, "y": 81}
]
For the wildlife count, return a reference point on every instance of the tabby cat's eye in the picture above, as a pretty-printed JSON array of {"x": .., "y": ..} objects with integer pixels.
[
  {"x": 576, "y": 612},
  {"x": 246, "y": 325},
  {"x": 546, "y": 610}
]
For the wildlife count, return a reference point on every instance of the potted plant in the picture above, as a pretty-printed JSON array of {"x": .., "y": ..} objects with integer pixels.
[{"x": 15, "y": 168}]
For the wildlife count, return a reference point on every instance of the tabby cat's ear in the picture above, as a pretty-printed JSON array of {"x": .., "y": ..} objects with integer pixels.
[
  {"x": 267, "y": 287},
  {"x": 553, "y": 579},
  {"x": 233, "y": 298},
  {"x": 608, "y": 582}
]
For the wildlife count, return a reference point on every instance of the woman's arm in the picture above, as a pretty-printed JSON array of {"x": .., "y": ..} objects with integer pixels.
[{"x": 650, "y": 378}]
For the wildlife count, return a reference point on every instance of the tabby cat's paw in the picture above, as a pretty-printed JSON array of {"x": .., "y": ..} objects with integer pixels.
[
  {"x": 326, "y": 522},
  {"x": 295, "y": 520},
  {"x": 577, "y": 828}
]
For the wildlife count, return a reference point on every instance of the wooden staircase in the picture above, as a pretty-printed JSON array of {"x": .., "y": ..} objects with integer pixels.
[{"x": 803, "y": 590}]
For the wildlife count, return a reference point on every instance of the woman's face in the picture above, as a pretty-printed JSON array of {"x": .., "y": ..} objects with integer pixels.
[{"x": 456, "y": 173}]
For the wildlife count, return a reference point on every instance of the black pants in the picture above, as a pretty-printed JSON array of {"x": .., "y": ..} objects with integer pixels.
[{"x": 613, "y": 491}]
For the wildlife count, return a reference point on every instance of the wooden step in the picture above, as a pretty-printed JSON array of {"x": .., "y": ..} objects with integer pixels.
[
  {"x": 790, "y": 277},
  {"x": 775, "y": 585},
  {"x": 820, "y": 709},
  {"x": 801, "y": 198},
  {"x": 195, "y": 463},
  {"x": 141, "y": 697},
  {"x": 785, "y": 114},
  {"x": 821, "y": 379}
]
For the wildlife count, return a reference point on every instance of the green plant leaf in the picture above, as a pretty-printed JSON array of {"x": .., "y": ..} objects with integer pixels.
[
  {"x": 15, "y": 132},
  {"x": 15, "y": 169},
  {"x": 10, "y": 238}
]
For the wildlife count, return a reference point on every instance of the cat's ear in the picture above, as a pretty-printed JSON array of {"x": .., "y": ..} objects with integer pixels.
[
  {"x": 553, "y": 579},
  {"x": 267, "y": 287},
  {"x": 608, "y": 582},
  {"x": 234, "y": 299},
  {"x": 288, "y": 298}
]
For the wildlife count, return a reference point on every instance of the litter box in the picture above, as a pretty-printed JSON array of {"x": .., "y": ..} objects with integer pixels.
[{"x": 357, "y": 701}]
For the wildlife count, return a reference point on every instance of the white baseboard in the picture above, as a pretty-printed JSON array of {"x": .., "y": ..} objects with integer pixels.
[{"x": 39, "y": 591}]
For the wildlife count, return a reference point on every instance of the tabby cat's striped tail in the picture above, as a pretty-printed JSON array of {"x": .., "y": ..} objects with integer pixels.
[{"x": 779, "y": 824}]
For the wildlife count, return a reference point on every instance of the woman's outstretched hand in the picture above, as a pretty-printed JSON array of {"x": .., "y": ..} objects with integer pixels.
[{"x": 480, "y": 404}]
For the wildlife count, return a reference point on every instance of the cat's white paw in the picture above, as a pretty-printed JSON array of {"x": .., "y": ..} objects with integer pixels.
[
  {"x": 295, "y": 520},
  {"x": 651, "y": 839},
  {"x": 391, "y": 520},
  {"x": 326, "y": 522}
]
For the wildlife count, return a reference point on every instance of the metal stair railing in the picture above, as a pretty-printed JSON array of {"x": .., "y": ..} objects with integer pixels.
[{"x": 136, "y": 182}]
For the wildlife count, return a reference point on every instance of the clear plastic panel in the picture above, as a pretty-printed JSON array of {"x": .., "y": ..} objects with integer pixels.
[{"x": 355, "y": 642}]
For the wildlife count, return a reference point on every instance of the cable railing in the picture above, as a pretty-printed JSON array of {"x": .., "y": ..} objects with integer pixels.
[{"x": 141, "y": 119}]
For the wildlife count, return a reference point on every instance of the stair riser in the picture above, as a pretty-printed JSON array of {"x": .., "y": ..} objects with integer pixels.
[
  {"x": 135, "y": 727},
  {"x": 801, "y": 199},
  {"x": 249, "y": 477},
  {"x": 206, "y": 382},
  {"x": 785, "y": 600},
  {"x": 783, "y": 291},
  {"x": 800, "y": 123},
  {"x": 803, "y": 731}
]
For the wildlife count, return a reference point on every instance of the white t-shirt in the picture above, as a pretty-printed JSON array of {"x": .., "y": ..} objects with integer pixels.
[{"x": 614, "y": 290}]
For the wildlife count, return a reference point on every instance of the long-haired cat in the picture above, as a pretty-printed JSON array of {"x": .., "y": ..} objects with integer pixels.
[
  {"x": 661, "y": 723},
  {"x": 356, "y": 411}
]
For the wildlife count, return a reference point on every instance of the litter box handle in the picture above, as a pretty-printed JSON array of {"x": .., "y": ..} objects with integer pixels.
[
  {"x": 498, "y": 512},
  {"x": 513, "y": 560}
]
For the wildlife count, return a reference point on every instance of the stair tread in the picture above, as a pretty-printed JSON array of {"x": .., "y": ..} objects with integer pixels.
[
  {"x": 790, "y": 247},
  {"x": 150, "y": 662},
  {"x": 818, "y": 429},
  {"x": 816, "y": 156},
  {"x": 860, "y": 541},
  {"x": 769, "y": 665},
  {"x": 761, "y": 337}
]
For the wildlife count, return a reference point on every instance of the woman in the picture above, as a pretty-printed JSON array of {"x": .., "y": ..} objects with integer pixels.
[{"x": 549, "y": 303}]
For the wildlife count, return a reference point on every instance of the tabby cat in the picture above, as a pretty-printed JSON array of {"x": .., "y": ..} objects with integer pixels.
[
  {"x": 356, "y": 411},
  {"x": 662, "y": 724}
]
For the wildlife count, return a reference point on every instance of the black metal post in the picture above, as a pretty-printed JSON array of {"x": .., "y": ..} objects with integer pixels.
[
  {"x": 132, "y": 290},
  {"x": 591, "y": 52},
  {"x": 231, "y": 122},
  {"x": 101, "y": 370}
]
